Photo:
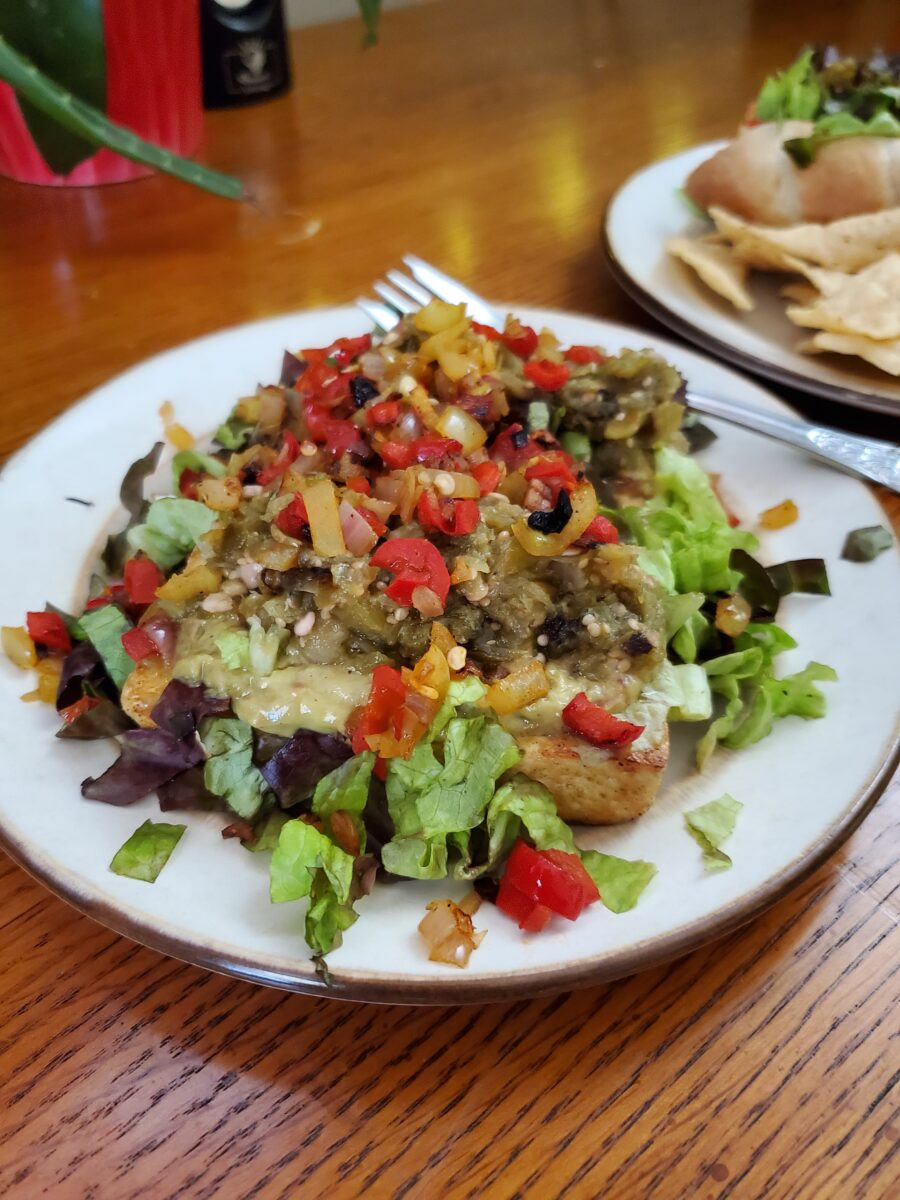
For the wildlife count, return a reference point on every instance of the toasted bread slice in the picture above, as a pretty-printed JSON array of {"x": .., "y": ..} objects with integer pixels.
[{"x": 593, "y": 786}]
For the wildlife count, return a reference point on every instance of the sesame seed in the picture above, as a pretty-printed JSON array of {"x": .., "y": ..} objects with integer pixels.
[
  {"x": 503, "y": 535},
  {"x": 401, "y": 614},
  {"x": 249, "y": 490},
  {"x": 218, "y": 602},
  {"x": 456, "y": 658},
  {"x": 406, "y": 384},
  {"x": 541, "y": 658},
  {"x": 234, "y": 587},
  {"x": 445, "y": 483},
  {"x": 308, "y": 449},
  {"x": 587, "y": 619},
  {"x": 593, "y": 629},
  {"x": 543, "y": 640},
  {"x": 305, "y": 624}
]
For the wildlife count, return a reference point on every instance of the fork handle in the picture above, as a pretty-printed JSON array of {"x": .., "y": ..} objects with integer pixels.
[{"x": 868, "y": 458}]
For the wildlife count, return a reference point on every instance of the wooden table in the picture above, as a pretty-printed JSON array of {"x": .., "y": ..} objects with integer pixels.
[{"x": 486, "y": 137}]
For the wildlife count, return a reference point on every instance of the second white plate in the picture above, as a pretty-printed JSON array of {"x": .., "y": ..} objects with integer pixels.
[{"x": 643, "y": 214}]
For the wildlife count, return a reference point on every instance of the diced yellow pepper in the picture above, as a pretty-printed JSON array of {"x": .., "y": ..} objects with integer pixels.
[
  {"x": 18, "y": 647},
  {"x": 200, "y": 580},
  {"x": 437, "y": 316}
]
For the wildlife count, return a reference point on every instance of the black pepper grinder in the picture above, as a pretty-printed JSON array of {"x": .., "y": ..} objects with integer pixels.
[{"x": 245, "y": 51}]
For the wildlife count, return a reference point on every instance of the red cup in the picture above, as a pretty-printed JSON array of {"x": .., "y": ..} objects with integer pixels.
[{"x": 153, "y": 87}]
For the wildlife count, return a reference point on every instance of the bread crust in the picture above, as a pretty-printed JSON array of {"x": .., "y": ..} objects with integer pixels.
[{"x": 593, "y": 786}]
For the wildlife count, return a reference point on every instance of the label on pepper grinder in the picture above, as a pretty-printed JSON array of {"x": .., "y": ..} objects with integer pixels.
[{"x": 245, "y": 53}]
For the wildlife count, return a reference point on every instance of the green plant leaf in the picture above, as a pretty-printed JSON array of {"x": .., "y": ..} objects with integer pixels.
[
  {"x": 88, "y": 122},
  {"x": 63, "y": 38}
]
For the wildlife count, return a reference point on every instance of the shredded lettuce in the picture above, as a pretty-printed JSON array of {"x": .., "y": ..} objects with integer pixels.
[
  {"x": 792, "y": 94},
  {"x": 193, "y": 460},
  {"x": 346, "y": 789},
  {"x": 264, "y": 646},
  {"x": 103, "y": 627},
  {"x": 234, "y": 649},
  {"x": 229, "y": 770},
  {"x": 170, "y": 530},
  {"x": 234, "y": 433},
  {"x": 576, "y": 443},
  {"x": 620, "y": 881},
  {"x": 685, "y": 688},
  {"x": 306, "y": 862},
  {"x": 147, "y": 851},
  {"x": 709, "y": 826},
  {"x": 833, "y": 127},
  {"x": 864, "y": 545}
]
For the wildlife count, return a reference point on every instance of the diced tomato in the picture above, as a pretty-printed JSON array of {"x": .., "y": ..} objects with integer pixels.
[
  {"x": 142, "y": 578},
  {"x": 551, "y": 877},
  {"x": 487, "y": 476},
  {"x": 187, "y": 482},
  {"x": 547, "y": 375},
  {"x": 581, "y": 355},
  {"x": 527, "y": 913},
  {"x": 486, "y": 331},
  {"x": 344, "y": 350},
  {"x": 48, "y": 629},
  {"x": 600, "y": 532},
  {"x": 431, "y": 448},
  {"x": 454, "y": 517},
  {"x": 513, "y": 446},
  {"x": 414, "y": 562},
  {"x": 359, "y": 483},
  {"x": 520, "y": 339},
  {"x": 387, "y": 696},
  {"x": 293, "y": 518},
  {"x": 336, "y": 435},
  {"x": 115, "y": 593},
  {"x": 78, "y": 709},
  {"x": 290, "y": 448},
  {"x": 372, "y": 520},
  {"x": 396, "y": 455},
  {"x": 598, "y": 726},
  {"x": 385, "y": 412},
  {"x": 139, "y": 644}
]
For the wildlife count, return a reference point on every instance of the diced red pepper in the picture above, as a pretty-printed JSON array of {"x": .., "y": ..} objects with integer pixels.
[
  {"x": 600, "y": 532},
  {"x": 487, "y": 476},
  {"x": 336, "y": 435},
  {"x": 78, "y": 709},
  {"x": 48, "y": 629},
  {"x": 380, "y": 769},
  {"x": 551, "y": 877},
  {"x": 527, "y": 913},
  {"x": 554, "y": 468},
  {"x": 396, "y": 455},
  {"x": 430, "y": 449},
  {"x": 290, "y": 448},
  {"x": 139, "y": 644},
  {"x": 344, "y": 350},
  {"x": 115, "y": 593},
  {"x": 581, "y": 355},
  {"x": 142, "y": 578},
  {"x": 414, "y": 562},
  {"x": 520, "y": 339},
  {"x": 387, "y": 696},
  {"x": 547, "y": 375},
  {"x": 359, "y": 483},
  {"x": 293, "y": 518},
  {"x": 187, "y": 482},
  {"x": 385, "y": 412},
  {"x": 372, "y": 519},
  {"x": 453, "y": 517},
  {"x": 513, "y": 446},
  {"x": 598, "y": 726},
  {"x": 486, "y": 331}
]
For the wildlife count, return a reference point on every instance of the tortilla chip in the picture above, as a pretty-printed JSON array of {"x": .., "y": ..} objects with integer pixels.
[
  {"x": 845, "y": 245},
  {"x": 800, "y": 293},
  {"x": 752, "y": 244},
  {"x": 884, "y": 355},
  {"x": 867, "y": 304},
  {"x": 716, "y": 266}
]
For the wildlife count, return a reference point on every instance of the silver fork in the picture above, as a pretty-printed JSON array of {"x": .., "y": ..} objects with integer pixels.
[{"x": 867, "y": 458}]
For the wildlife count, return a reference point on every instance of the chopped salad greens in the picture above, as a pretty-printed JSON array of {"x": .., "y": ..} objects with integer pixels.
[{"x": 366, "y": 618}]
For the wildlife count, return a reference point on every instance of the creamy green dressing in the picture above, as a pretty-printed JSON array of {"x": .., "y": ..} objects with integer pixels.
[{"x": 319, "y": 698}]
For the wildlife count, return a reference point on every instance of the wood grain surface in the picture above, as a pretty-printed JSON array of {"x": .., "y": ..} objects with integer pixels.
[{"x": 486, "y": 137}]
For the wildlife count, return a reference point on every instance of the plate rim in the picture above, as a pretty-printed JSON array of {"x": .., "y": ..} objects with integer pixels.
[
  {"x": 724, "y": 350},
  {"x": 355, "y": 985}
]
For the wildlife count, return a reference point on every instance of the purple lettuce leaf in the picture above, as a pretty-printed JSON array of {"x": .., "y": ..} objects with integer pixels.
[
  {"x": 182, "y": 707},
  {"x": 83, "y": 673},
  {"x": 292, "y": 368},
  {"x": 187, "y": 792},
  {"x": 104, "y": 720},
  {"x": 293, "y": 771},
  {"x": 149, "y": 758}
]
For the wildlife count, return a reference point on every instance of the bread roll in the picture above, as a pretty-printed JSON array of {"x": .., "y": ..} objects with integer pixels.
[{"x": 755, "y": 178}]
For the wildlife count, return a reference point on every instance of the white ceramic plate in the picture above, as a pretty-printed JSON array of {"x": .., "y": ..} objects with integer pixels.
[
  {"x": 643, "y": 214},
  {"x": 803, "y": 789}
]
